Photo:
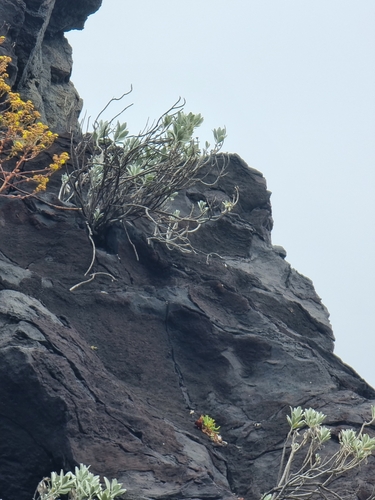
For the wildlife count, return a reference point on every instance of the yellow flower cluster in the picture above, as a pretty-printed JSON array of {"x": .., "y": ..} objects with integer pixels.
[
  {"x": 59, "y": 161},
  {"x": 41, "y": 181},
  {"x": 22, "y": 137}
]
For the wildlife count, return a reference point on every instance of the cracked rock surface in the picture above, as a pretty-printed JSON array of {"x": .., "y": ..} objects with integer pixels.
[{"x": 109, "y": 374}]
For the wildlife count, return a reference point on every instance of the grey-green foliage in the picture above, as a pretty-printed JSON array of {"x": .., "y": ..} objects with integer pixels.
[
  {"x": 315, "y": 472},
  {"x": 181, "y": 127},
  {"x": 82, "y": 485},
  {"x": 121, "y": 177}
]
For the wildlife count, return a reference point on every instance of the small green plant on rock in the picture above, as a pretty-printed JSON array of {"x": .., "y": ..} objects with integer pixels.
[
  {"x": 82, "y": 485},
  {"x": 208, "y": 425},
  {"x": 313, "y": 476}
]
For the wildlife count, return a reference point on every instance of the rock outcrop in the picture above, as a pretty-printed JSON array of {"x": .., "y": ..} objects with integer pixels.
[
  {"x": 108, "y": 374},
  {"x": 41, "y": 55}
]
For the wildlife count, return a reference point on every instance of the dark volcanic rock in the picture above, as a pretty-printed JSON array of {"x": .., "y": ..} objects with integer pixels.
[
  {"x": 114, "y": 373},
  {"x": 41, "y": 55},
  {"x": 108, "y": 374}
]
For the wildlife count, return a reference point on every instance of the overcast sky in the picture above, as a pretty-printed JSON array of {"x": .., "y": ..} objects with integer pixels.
[{"x": 294, "y": 83}]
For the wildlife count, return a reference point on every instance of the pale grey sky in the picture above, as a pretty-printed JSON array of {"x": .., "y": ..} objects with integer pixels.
[{"x": 294, "y": 83}]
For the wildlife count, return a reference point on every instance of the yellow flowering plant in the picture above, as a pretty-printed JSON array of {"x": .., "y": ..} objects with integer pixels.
[{"x": 22, "y": 138}]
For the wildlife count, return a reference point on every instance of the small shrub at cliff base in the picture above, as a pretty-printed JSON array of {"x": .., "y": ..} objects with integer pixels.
[
  {"x": 22, "y": 138},
  {"x": 82, "y": 485},
  {"x": 315, "y": 473}
]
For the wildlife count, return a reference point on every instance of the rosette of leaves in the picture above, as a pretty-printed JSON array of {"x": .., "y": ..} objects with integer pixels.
[{"x": 208, "y": 425}]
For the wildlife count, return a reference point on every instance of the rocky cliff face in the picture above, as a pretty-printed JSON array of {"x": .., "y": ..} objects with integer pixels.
[
  {"x": 41, "y": 55},
  {"x": 110, "y": 373}
]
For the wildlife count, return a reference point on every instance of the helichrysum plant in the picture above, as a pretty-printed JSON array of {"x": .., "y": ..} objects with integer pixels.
[
  {"x": 82, "y": 485},
  {"x": 22, "y": 138},
  {"x": 313, "y": 476}
]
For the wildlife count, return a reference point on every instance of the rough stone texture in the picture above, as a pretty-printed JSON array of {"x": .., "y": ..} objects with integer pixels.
[
  {"x": 41, "y": 55},
  {"x": 241, "y": 337}
]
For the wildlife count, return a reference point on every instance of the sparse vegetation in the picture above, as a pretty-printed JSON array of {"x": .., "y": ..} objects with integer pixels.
[
  {"x": 82, "y": 485},
  {"x": 306, "y": 472},
  {"x": 119, "y": 177},
  {"x": 208, "y": 425}
]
